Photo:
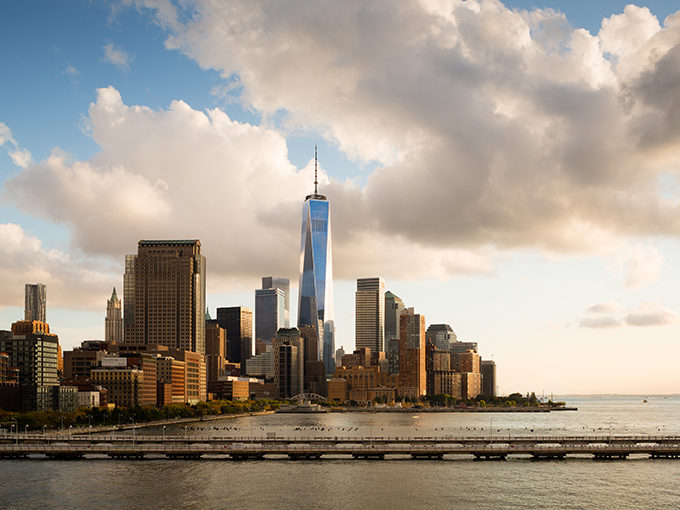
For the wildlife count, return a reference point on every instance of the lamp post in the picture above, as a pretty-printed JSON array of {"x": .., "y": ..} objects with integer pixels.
[{"x": 163, "y": 433}]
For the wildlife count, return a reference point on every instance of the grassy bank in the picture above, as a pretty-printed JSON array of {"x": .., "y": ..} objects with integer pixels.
[{"x": 139, "y": 414}]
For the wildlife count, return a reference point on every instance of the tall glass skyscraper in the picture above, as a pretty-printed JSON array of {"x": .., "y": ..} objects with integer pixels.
[{"x": 315, "y": 305}]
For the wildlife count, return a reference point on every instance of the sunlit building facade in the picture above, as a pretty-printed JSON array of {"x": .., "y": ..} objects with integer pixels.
[{"x": 315, "y": 304}]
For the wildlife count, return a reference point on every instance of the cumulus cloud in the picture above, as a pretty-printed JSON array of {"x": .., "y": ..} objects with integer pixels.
[
  {"x": 117, "y": 56},
  {"x": 19, "y": 155},
  {"x": 613, "y": 315},
  {"x": 606, "y": 308},
  {"x": 651, "y": 314},
  {"x": 70, "y": 280},
  {"x": 493, "y": 126},
  {"x": 182, "y": 173},
  {"x": 600, "y": 322}
]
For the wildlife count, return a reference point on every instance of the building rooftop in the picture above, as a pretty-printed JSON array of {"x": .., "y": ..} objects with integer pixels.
[{"x": 161, "y": 242}]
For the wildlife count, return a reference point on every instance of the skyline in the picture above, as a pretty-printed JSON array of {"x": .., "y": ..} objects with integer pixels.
[{"x": 523, "y": 193}]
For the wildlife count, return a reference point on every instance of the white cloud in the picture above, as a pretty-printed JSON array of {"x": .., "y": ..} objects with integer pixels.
[
  {"x": 638, "y": 265},
  {"x": 651, "y": 314},
  {"x": 612, "y": 315},
  {"x": 71, "y": 71},
  {"x": 600, "y": 322},
  {"x": 606, "y": 308},
  {"x": 491, "y": 126},
  {"x": 117, "y": 56},
  {"x": 184, "y": 173},
  {"x": 5, "y": 134},
  {"x": 71, "y": 281},
  {"x": 491, "y": 129},
  {"x": 21, "y": 157}
]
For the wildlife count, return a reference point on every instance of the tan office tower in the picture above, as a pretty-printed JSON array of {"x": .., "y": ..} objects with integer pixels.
[
  {"x": 164, "y": 291},
  {"x": 412, "y": 374},
  {"x": 370, "y": 314},
  {"x": 215, "y": 350},
  {"x": 113, "y": 324}
]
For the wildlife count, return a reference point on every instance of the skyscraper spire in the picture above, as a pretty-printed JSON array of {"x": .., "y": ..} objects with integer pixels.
[{"x": 316, "y": 182}]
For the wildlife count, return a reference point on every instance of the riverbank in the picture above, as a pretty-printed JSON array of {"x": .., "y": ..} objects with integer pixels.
[{"x": 156, "y": 423}]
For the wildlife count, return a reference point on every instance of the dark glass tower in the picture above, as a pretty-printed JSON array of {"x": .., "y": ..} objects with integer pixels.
[{"x": 315, "y": 306}]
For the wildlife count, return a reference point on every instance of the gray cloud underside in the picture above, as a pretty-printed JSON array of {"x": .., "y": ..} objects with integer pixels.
[{"x": 647, "y": 314}]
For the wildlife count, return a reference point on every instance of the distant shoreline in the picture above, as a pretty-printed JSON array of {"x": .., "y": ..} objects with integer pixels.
[{"x": 487, "y": 409}]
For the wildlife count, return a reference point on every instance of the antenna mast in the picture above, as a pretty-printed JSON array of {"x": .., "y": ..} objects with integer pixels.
[{"x": 316, "y": 182}]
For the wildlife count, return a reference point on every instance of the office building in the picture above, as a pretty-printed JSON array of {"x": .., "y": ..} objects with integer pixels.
[
  {"x": 195, "y": 377},
  {"x": 441, "y": 336},
  {"x": 289, "y": 362},
  {"x": 412, "y": 373},
  {"x": 79, "y": 362},
  {"x": 215, "y": 350},
  {"x": 467, "y": 361},
  {"x": 393, "y": 308},
  {"x": 488, "y": 369},
  {"x": 338, "y": 356},
  {"x": 33, "y": 350},
  {"x": 124, "y": 385},
  {"x": 237, "y": 321},
  {"x": 393, "y": 347},
  {"x": 315, "y": 304},
  {"x": 370, "y": 314},
  {"x": 164, "y": 291},
  {"x": 447, "y": 382},
  {"x": 172, "y": 372},
  {"x": 270, "y": 311},
  {"x": 471, "y": 383},
  {"x": 359, "y": 358},
  {"x": 113, "y": 323},
  {"x": 368, "y": 384},
  {"x": 261, "y": 365},
  {"x": 35, "y": 302},
  {"x": 275, "y": 282},
  {"x": 457, "y": 346}
]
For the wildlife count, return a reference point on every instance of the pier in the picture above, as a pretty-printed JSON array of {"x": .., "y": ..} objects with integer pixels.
[{"x": 603, "y": 447}]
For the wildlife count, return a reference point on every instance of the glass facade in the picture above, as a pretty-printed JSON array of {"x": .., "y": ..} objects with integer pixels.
[{"x": 315, "y": 306}]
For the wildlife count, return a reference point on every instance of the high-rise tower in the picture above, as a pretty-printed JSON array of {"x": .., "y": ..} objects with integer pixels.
[
  {"x": 35, "y": 304},
  {"x": 369, "y": 316},
  {"x": 272, "y": 311},
  {"x": 113, "y": 324},
  {"x": 164, "y": 291},
  {"x": 315, "y": 305}
]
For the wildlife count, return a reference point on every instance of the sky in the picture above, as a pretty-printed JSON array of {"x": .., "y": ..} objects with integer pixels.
[{"x": 509, "y": 168}]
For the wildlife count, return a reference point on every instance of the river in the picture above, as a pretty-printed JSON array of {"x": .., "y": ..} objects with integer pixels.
[{"x": 455, "y": 482}]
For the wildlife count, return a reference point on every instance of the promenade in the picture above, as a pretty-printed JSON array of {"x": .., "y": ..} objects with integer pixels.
[{"x": 601, "y": 447}]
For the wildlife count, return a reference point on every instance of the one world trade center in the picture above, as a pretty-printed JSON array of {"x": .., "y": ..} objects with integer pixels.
[{"x": 315, "y": 305}]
